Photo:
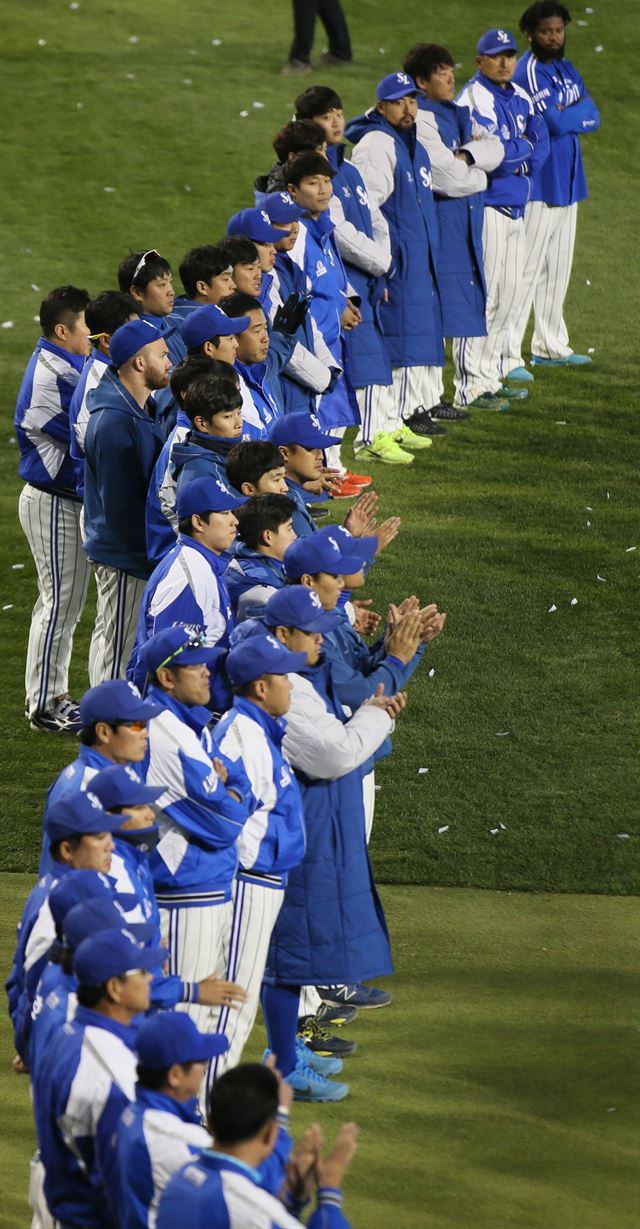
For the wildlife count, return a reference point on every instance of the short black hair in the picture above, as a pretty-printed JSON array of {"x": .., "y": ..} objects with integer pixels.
[
  {"x": 239, "y": 303},
  {"x": 536, "y": 13},
  {"x": 241, "y": 1103},
  {"x": 185, "y": 527},
  {"x": 155, "y": 1078},
  {"x": 249, "y": 460},
  {"x": 260, "y": 513},
  {"x": 423, "y": 59},
  {"x": 54, "y": 847},
  {"x": 240, "y": 251},
  {"x": 202, "y": 265},
  {"x": 307, "y": 164},
  {"x": 59, "y": 305},
  {"x": 90, "y": 996},
  {"x": 189, "y": 370},
  {"x": 317, "y": 100},
  {"x": 297, "y": 137},
  {"x": 213, "y": 394},
  {"x": 155, "y": 266},
  {"x": 109, "y": 310}
]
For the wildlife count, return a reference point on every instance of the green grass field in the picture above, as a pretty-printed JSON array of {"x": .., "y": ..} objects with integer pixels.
[{"x": 500, "y": 1089}]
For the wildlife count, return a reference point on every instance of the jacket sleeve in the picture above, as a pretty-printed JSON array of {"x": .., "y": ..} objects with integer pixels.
[
  {"x": 194, "y": 796},
  {"x": 116, "y": 465},
  {"x": 539, "y": 137},
  {"x": 328, "y": 1214},
  {"x": 450, "y": 175},
  {"x": 321, "y": 746},
  {"x": 582, "y": 116},
  {"x": 375, "y": 158},
  {"x": 370, "y": 255}
]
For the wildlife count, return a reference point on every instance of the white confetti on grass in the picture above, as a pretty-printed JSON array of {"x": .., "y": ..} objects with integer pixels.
[
  {"x": 381, "y": 51},
  {"x": 216, "y": 42},
  {"x": 588, "y": 509},
  {"x": 17, "y": 567},
  {"x": 444, "y": 828},
  {"x": 599, "y": 47},
  {"x": 552, "y": 609},
  {"x": 42, "y": 42},
  {"x": 431, "y": 672},
  {"x": 6, "y": 324},
  {"x": 79, "y": 106},
  {"x": 37, "y": 319},
  {"x": 588, "y": 524},
  {"x": 74, "y": 6},
  {"x": 608, "y": 495},
  {"x": 494, "y": 831},
  {"x": 8, "y": 607},
  {"x": 561, "y": 422},
  {"x": 187, "y": 187},
  {"x": 134, "y": 39},
  {"x": 588, "y": 10},
  {"x": 131, "y": 76},
  {"x": 259, "y": 106},
  {"x": 587, "y": 282},
  {"x": 34, "y": 287},
  {"x": 629, "y": 548},
  {"x": 377, "y": 787},
  {"x": 603, "y": 579},
  {"x": 108, "y": 189},
  {"x": 591, "y": 350},
  {"x": 622, "y": 836},
  {"x": 582, "y": 23},
  {"x": 574, "y": 601},
  {"x": 501, "y": 733},
  {"x": 243, "y": 114},
  {"x": 504, "y": 827},
  {"x": 421, "y": 770}
]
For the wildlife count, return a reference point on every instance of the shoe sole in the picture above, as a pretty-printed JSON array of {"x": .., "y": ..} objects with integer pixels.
[
  {"x": 557, "y": 362},
  {"x": 389, "y": 460},
  {"x": 363, "y": 1006},
  {"x": 302, "y": 1096},
  {"x": 350, "y": 1049}
]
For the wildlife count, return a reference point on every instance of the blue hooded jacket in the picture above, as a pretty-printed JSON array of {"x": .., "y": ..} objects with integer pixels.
[
  {"x": 42, "y": 418},
  {"x": 560, "y": 98},
  {"x": 122, "y": 445},
  {"x": 292, "y": 279},
  {"x": 251, "y": 578},
  {"x": 92, "y": 373},
  {"x": 412, "y": 318}
]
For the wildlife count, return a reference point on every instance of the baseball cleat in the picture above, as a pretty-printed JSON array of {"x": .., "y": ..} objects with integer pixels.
[
  {"x": 513, "y": 393},
  {"x": 422, "y": 422},
  {"x": 344, "y": 489},
  {"x": 384, "y": 448},
  {"x": 520, "y": 374},
  {"x": 63, "y": 718},
  {"x": 358, "y": 995},
  {"x": 407, "y": 438},
  {"x": 449, "y": 412},
  {"x": 309, "y": 1085},
  {"x": 357, "y": 479},
  {"x": 321, "y": 1042},
  {"x": 335, "y": 1015},
  {"x": 490, "y": 401},
  {"x": 571, "y": 360},
  {"x": 317, "y": 511}
]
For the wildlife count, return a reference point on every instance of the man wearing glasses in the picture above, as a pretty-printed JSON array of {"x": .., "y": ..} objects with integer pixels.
[{"x": 147, "y": 277}]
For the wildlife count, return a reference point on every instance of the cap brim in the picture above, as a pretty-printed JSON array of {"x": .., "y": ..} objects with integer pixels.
[
  {"x": 211, "y": 1045},
  {"x": 240, "y": 324},
  {"x": 398, "y": 95},
  {"x": 324, "y": 622},
  {"x": 293, "y": 663},
  {"x": 151, "y": 958},
  {"x": 315, "y": 441},
  {"x": 204, "y": 656},
  {"x": 145, "y": 795}
]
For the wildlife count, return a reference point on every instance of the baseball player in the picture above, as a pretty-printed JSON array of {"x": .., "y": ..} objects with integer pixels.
[
  {"x": 256, "y": 467},
  {"x": 90, "y": 1076},
  {"x": 265, "y": 530},
  {"x": 147, "y": 277},
  {"x": 122, "y": 444},
  {"x": 561, "y": 99},
  {"x": 506, "y": 111},
  {"x": 49, "y": 508},
  {"x": 195, "y": 860},
  {"x": 207, "y": 276}
]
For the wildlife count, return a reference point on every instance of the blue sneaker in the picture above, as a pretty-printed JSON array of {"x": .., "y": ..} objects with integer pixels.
[
  {"x": 357, "y": 995},
  {"x": 324, "y": 1066},
  {"x": 513, "y": 392},
  {"x": 520, "y": 375},
  {"x": 572, "y": 360},
  {"x": 309, "y": 1085}
]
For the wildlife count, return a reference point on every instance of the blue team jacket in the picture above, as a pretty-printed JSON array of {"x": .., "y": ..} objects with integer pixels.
[
  {"x": 303, "y": 522},
  {"x": 463, "y": 292},
  {"x": 49, "y": 1012},
  {"x": 273, "y": 838},
  {"x": 561, "y": 99},
  {"x": 95, "y": 367},
  {"x": 187, "y": 454},
  {"x": 523, "y": 134},
  {"x": 20, "y": 1001},
  {"x": 42, "y": 418},
  {"x": 412, "y": 318},
  {"x": 219, "y": 1192},
  {"x": 169, "y": 326},
  {"x": 251, "y": 578},
  {"x": 122, "y": 445},
  {"x": 291, "y": 277},
  {"x": 266, "y": 396},
  {"x": 331, "y": 928},
  {"x": 145, "y": 1156},
  {"x": 75, "y": 1120},
  {"x": 367, "y": 356}
]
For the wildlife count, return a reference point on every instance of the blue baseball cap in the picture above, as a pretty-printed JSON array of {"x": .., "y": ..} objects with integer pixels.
[
  {"x": 111, "y": 953},
  {"x": 300, "y": 428},
  {"x": 170, "y": 1037},
  {"x": 280, "y": 207},
  {"x": 206, "y": 495},
  {"x": 102, "y": 914},
  {"x": 210, "y": 321},
  {"x": 253, "y": 224},
  {"x": 298, "y": 606},
  {"x": 77, "y": 887},
  {"x": 394, "y": 86},
  {"x": 120, "y": 786},
  {"x": 248, "y": 627},
  {"x": 261, "y": 655},
  {"x": 131, "y": 337},
  {"x": 495, "y": 41},
  {"x": 79, "y": 814},
  {"x": 116, "y": 700},
  {"x": 321, "y": 552},
  {"x": 359, "y": 551},
  {"x": 179, "y": 647}
]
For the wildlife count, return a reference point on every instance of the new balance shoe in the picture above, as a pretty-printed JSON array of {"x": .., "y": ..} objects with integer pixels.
[
  {"x": 318, "y": 1039},
  {"x": 407, "y": 438},
  {"x": 513, "y": 393},
  {"x": 383, "y": 447},
  {"x": 357, "y": 995},
  {"x": 358, "y": 479},
  {"x": 571, "y": 360},
  {"x": 423, "y": 423},
  {"x": 326, "y": 1014},
  {"x": 520, "y": 374},
  {"x": 490, "y": 401},
  {"x": 324, "y": 1065},
  {"x": 449, "y": 412},
  {"x": 309, "y": 1085},
  {"x": 63, "y": 718}
]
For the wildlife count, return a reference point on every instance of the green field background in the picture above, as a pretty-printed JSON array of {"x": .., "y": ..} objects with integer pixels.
[{"x": 529, "y": 723}]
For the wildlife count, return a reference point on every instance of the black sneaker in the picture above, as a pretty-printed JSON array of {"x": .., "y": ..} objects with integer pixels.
[
  {"x": 63, "y": 718},
  {"x": 449, "y": 412},
  {"x": 336, "y": 1016},
  {"x": 318, "y": 511},
  {"x": 422, "y": 422},
  {"x": 320, "y": 1041}
]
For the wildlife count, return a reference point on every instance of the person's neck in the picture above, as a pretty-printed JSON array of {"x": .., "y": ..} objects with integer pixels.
[
  {"x": 56, "y": 341},
  {"x": 136, "y": 387},
  {"x": 114, "y": 1011},
  {"x": 259, "y": 704},
  {"x": 268, "y": 552},
  {"x": 250, "y": 1153},
  {"x": 198, "y": 540}
]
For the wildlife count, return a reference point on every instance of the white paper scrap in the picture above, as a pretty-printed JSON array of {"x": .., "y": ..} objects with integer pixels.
[
  {"x": 574, "y": 601},
  {"x": 259, "y": 106},
  {"x": 628, "y": 550},
  {"x": 561, "y": 422},
  {"x": 216, "y": 42},
  {"x": 17, "y": 567},
  {"x": 420, "y": 770},
  {"x": 9, "y": 607},
  {"x": 134, "y": 39},
  {"x": 599, "y": 47},
  {"x": 444, "y": 828},
  {"x": 431, "y": 672},
  {"x": 34, "y": 287},
  {"x": 552, "y": 609},
  {"x": 588, "y": 524},
  {"x": 244, "y": 114},
  {"x": 108, "y": 189},
  {"x": 623, "y": 836},
  {"x": 602, "y": 578},
  {"x": 494, "y": 831},
  {"x": 6, "y": 324},
  {"x": 42, "y": 42},
  {"x": 501, "y": 733},
  {"x": 590, "y": 350}
]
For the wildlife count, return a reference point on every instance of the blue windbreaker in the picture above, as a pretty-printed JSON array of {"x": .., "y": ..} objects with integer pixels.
[
  {"x": 568, "y": 111},
  {"x": 303, "y": 522},
  {"x": 53, "y": 1006},
  {"x": 122, "y": 444},
  {"x": 251, "y": 578},
  {"x": 42, "y": 418},
  {"x": 91, "y": 375},
  {"x": 507, "y": 112},
  {"x": 262, "y": 402}
]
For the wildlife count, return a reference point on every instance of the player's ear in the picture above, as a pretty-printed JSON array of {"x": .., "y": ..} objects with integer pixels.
[
  {"x": 248, "y": 489},
  {"x": 306, "y": 579}
]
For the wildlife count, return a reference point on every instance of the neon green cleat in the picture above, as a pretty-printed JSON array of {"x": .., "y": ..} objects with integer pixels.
[
  {"x": 408, "y": 438},
  {"x": 384, "y": 447}
]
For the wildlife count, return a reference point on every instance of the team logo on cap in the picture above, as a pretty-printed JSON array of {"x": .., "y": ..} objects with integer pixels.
[
  {"x": 265, "y": 215},
  {"x": 315, "y": 600},
  {"x": 276, "y": 643},
  {"x": 502, "y": 36},
  {"x": 93, "y": 801},
  {"x": 403, "y": 79},
  {"x": 225, "y": 490},
  {"x": 334, "y": 545},
  {"x": 134, "y": 690},
  {"x": 133, "y": 776},
  {"x": 284, "y": 196}
]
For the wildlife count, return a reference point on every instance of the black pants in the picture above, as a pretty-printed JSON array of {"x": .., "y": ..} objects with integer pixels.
[{"x": 304, "y": 22}]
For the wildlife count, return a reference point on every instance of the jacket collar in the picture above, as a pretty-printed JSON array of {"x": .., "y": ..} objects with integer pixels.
[
  {"x": 217, "y": 563},
  {"x": 215, "y": 1161},
  {"x": 197, "y": 717},
  {"x": 186, "y": 1110},
  {"x": 85, "y": 1016},
  {"x": 213, "y": 443},
  {"x": 498, "y": 91},
  {"x": 93, "y": 758},
  {"x": 122, "y": 399},
  {"x": 74, "y": 360},
  {"x": 274, "y": 727}
]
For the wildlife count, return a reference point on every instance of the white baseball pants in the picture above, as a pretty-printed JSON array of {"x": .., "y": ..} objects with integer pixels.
[
  {"x": 415, "y": 388},
  {"x": 378, "y": 407},
  {"x": 51, "y": 525},
  {"x": 117, "y": 605},
  {"x": 198, "y": 937},
  {"x": 255, "y": 912},
  {"x": 41, "y": 1216},
  {"x": 477, "y": 360},
  {"x": 550, "y": 232}
]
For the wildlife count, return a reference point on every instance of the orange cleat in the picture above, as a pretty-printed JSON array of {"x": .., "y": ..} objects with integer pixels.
[{"x": 357, "y": 479}]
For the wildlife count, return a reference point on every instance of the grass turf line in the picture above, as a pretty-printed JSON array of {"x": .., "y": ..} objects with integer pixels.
[
  {"x": 494, "y": 516},
  {"x": 497, "y": 1090}
]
